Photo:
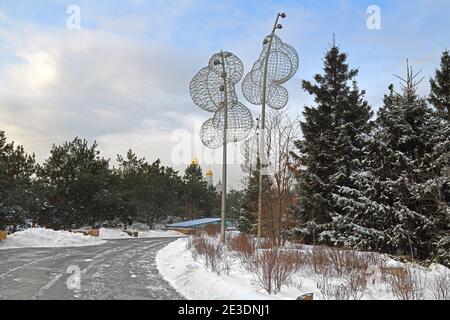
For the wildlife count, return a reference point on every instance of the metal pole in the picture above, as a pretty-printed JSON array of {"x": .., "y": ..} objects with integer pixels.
[
  {"x": 263, "y": 162},
  {"x": 224, "y": 164}
]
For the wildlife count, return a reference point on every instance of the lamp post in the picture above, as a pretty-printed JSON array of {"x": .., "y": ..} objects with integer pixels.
[
  {"x": 213, "y": 90},
  {"x": 225, "y": 141},
  {"x": 263, "y": 160}
]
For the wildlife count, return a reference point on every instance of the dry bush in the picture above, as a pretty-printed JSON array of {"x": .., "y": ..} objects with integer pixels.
[
  {"x": 267, "y": 243},
  {"x": 408, "y": 285},
  {"x": 273, "y": 268},
  {"x": 350, "y": 287},
  {"x": 356, "y": 282},
  {"x": 346, "y": 261},
  {"x": 331, "y": 290},
  {"x": 319, "y": 260},
  {"x": 212, "y": 230},
  {"x": 242, "y": 245},
  {"x": 210, "y": 251},
  {"x": 440, "y": 286},
  {"x": 340, "y": 262}
]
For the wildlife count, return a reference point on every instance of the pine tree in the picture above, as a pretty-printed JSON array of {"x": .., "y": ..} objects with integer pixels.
[
  {"x": 195, "y": 191},
  {"x": 330, "y": 152},
  {"x": 79, "y": 187},
  {"x": 155, "y": 190},
  {"x": 16, "y": 184},
  {"x": 440, "y": 88}
]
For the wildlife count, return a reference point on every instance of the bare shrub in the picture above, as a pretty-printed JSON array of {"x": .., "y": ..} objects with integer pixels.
[
  {"x": 346, "y": 261},
  {"x": 356, "y": 282},
  {"x": 212, "y": 230},
  {"x": 273, "y": 268},
  {"x": 210, "y": 252},
  {"x": 331, "y": 290},
  {"x": 408, "y": 285},
  {"x": 319, "y": 260},
  {"x": 350, "y": 287},
  {"x": 440, "y": 286}
]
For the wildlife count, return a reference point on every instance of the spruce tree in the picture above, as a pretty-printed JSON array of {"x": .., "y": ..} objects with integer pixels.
[
  {"x": 399, "y": 210},
  {"x": 440, "y": 159},
  {"x": 440, "y": 88},
  {"x": 330, "y": 151}
]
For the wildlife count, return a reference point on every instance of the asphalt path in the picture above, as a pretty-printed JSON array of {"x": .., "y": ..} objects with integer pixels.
[{"x": 122, "y": 269}]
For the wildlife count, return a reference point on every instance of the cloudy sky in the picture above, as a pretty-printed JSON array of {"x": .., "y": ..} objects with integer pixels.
[{"x": 123, "y": 78}]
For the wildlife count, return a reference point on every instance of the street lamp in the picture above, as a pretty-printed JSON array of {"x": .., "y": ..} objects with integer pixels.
[
  {"x": 213, "y": 90},
  {"x": 278, "y": 63}
]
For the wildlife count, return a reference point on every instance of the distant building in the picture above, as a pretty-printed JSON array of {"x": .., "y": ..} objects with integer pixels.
[
  {"x": 210, "y": 177},
  {"x": 190, "y": 227}
]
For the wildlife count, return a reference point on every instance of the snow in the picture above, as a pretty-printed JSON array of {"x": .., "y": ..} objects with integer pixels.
[
  {"x": 191, "y": 279},
  {"x": 194, "y": 281},
  {"x": 109, "y": 234},
  {"x": 47, "y": 238},
  {"x": 43, "y": 238}
]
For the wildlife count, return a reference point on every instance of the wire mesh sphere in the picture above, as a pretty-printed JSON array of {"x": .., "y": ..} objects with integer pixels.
[
  {"x": 211, "y": 135},
  {"x": 234, "y": 68},
  {"x": 252, "y": 87},
  {"x": 276, "y": 43},
  {"x": 207, "y": 92},
  {"x": 240, "y": 122},
  {"x": 277, "y": 96},
  {"x": 279, "y": 67},
  {"x": 293, "y": 57},
  {"x": 279, "y": 46}
]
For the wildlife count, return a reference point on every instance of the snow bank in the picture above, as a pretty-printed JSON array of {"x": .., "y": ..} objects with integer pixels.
[
  {"x": 38, "y": 237},
  {"x": 195, "y": 282},
  {"x": 110, "y": 234},
  {"x": 161, "y": 234}
]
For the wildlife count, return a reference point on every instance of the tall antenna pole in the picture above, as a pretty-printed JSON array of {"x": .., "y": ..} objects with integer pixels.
[{"x": 262, "y": 135}]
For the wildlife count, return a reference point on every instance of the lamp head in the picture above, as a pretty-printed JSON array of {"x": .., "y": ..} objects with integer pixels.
[
  {"x": 283, "y": 15},
  {"x": 279, "y": 26}
]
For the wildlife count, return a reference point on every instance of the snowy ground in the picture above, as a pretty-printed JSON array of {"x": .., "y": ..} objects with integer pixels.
[
  {"x": 46, "y": 238},
  {"x": 118, "y": 269},
  {"x": 106, "y": 234},
  {"x": 194, "y": 281}
]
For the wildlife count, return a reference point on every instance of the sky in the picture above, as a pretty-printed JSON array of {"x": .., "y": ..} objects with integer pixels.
[{"x": 122, "y": 78}]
